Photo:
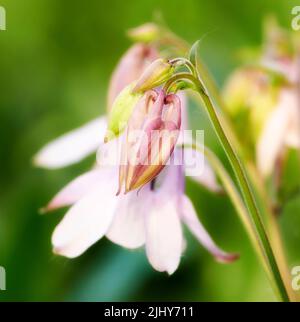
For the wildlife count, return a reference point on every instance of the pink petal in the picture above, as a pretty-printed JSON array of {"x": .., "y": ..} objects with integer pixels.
[
  {"x": 77, "y": 188},
  {"x": 73, "y": 146},
  {"x": 164, "y": 240},
  {"x": 130, "y": 68},
  {"x": 170, "y": 182},
  {"x": 190, "y": 218},
  {"x": 87, "y": 221},
  {"x": 128, "y": 227}
]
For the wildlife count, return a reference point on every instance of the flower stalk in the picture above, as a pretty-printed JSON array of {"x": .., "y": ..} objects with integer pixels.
[{"x": 245, "y": 189}]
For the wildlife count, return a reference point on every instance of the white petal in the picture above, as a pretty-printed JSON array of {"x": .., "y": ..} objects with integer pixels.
[
  {"x": 128, "y": 226},
  {"x": 109, "y": 154},
  {"x": 73, "y": 146},
  {"x": 77, "y": 188},
  {"x": 164, "y": 240},
  {"x": 190, "y": 218},
  {"x": 86, "y": 222},
  {"x": 272, "y": 139},
  {"x": 198, "y": 169}
]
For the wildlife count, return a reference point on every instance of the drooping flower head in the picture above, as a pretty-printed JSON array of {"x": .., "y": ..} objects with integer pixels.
[{"x": 147, "y": 120}]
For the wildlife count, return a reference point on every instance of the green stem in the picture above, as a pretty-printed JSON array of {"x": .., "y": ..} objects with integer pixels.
[
  {"x": 245, "y": 189},
  {"x": 272, "y": 225}
]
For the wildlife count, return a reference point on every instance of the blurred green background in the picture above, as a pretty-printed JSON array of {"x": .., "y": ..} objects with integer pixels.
[{"x": 55, "y": 62}]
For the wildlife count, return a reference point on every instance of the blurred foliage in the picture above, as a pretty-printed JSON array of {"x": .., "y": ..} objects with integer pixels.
[{"x": 56, "y": 60}]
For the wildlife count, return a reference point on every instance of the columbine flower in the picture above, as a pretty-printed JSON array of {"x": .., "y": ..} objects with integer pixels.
[{"x": 152, "y": 217}]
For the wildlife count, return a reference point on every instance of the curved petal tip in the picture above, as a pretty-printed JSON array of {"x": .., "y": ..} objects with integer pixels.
[{"x": 227, "y": 258}]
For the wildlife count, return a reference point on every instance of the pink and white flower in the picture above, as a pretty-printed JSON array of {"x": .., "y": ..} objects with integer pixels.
[{"x": 152, "y": 217}]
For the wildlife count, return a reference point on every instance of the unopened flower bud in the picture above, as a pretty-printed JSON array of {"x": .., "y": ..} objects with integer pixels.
[
  {"x": 145, "y": 33},
  {"x": 121, "y": 111},
  {"x": 154, "y": 75}
]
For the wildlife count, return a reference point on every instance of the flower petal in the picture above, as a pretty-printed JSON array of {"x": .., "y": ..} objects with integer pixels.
[
  {"x": 128, "y": 226},
  {"x": 73, "y": 146},
  {"x": 272, "y": 138},
  {"x": 198, "y": 169},
  {"x": 292, "y": 137},
  {"x": 164, "y": 240},
  {"x": 87, "y": 221},
  {"x": 130, "y": 68},
  {"x": 77, "y": 188},
  {"x": 190, "y": 218}
]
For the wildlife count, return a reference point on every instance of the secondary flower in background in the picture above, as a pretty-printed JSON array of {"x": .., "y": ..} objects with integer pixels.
[{"x": 266, "y": 98}]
